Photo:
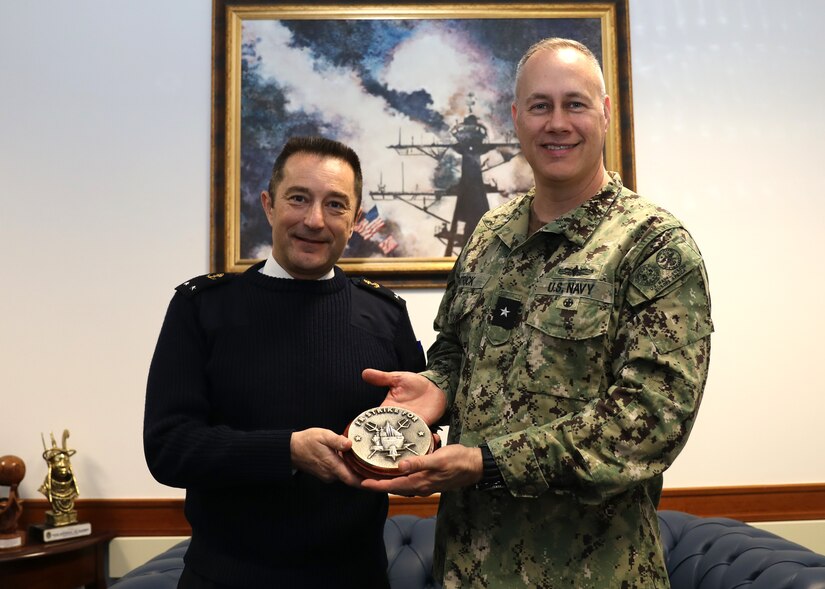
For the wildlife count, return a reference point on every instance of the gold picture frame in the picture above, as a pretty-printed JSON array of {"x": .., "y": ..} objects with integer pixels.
[{"x": 392, "y": 81}]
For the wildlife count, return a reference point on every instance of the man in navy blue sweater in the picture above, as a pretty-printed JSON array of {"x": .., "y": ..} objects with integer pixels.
[{"x": 255, "y": 376}]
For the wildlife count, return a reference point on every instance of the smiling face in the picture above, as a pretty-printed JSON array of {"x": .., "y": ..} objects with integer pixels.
[
  {"x": 561, "y": 116},
  {"x": 311, "y": 214}
]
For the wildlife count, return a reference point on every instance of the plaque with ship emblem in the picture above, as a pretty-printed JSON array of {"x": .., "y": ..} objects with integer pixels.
[{"x": 382, "y": 437}]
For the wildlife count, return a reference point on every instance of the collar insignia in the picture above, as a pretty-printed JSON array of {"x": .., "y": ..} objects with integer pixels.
[{"x": 507, "y": 313}]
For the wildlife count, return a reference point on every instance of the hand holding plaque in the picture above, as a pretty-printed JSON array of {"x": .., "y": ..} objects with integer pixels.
[
  {"x": 382, "y": 436},
  {"x": 411, "y": 391}
]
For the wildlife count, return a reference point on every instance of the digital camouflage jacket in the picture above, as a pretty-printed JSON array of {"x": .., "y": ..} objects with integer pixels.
[{"x": 579, "y": 354}]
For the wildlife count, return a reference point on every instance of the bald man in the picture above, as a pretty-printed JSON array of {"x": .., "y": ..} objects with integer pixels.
[{"x": 573, "y": 349}]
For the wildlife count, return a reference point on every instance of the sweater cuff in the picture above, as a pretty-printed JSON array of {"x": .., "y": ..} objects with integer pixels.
[{"x": 281, "y": 460}]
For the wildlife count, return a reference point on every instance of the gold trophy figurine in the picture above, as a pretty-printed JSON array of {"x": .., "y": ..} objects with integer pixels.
[{"x": 60, "y": 486}]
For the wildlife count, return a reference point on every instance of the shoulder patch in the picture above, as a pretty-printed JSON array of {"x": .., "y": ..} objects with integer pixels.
[
  {"x": 371, "y": 286},
  {"x": 663, "y": 268},
  {"x": 195, "y": 285}
]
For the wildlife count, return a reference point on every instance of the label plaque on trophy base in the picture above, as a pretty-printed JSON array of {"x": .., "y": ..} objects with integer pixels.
[
  {"x": 382, "y": 437},
  {"x": 13, "y": 540},
  {"x": 46, "y": 533}
]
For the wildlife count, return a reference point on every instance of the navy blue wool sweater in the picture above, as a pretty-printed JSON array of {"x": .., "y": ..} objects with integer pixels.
[{"x": 241, "y": 362}]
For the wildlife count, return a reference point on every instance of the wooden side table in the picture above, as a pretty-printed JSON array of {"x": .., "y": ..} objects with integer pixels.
[{"x": 63, "y": 564}]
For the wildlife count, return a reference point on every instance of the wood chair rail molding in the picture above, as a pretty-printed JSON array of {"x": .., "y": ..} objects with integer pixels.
[{"x": 164, "y": 517}]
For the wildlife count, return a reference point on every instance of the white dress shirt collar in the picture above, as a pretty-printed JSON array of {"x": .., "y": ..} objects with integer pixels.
[{"x": 274, "y": 269}]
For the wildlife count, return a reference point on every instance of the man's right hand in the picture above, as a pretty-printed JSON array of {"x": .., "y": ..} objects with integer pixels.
[
  {"x": 411, "y": 391},
  {"x": 315, "y": 451}
]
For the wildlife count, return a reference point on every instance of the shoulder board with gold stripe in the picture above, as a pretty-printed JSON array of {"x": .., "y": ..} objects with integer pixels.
[
  {"x": 200, "y": 283},
  {"x": 371, "y": 286}
]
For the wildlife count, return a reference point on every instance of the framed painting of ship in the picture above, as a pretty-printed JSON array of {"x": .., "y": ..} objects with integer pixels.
[{"x": 422, "y": 92}]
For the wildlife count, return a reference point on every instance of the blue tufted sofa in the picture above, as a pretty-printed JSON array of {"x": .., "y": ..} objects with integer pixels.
[{"x": 701, "y": 553}]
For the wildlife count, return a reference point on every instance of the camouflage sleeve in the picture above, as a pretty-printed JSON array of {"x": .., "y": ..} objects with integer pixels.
[
  {"x": 659, "y": 362},
  {"x": 445, "y": 356}
]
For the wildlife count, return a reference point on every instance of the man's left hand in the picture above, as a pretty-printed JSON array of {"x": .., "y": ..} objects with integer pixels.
[
  {"x": 316, "y": 450},
  {"x": 451, "y": 467},
  {"x": 410, "y": 391}
]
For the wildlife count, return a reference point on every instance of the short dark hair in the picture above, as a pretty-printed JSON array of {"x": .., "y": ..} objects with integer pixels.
[{"x": 318, "y": 146}]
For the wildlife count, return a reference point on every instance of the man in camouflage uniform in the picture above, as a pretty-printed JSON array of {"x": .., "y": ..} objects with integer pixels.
[{"x": 573, "y": 348}]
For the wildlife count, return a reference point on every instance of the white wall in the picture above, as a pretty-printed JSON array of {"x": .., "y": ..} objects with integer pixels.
[{"x": 104, "y": 207}]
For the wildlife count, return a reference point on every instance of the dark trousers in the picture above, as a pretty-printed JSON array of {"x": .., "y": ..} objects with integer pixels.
[{"x": 191, "y": 580}]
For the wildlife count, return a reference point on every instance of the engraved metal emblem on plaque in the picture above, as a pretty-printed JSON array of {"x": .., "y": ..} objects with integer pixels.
[{"x": 382, "y": 437}]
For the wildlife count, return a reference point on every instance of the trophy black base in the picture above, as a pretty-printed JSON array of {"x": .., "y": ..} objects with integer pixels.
[{"x": 46, "y": 533}]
